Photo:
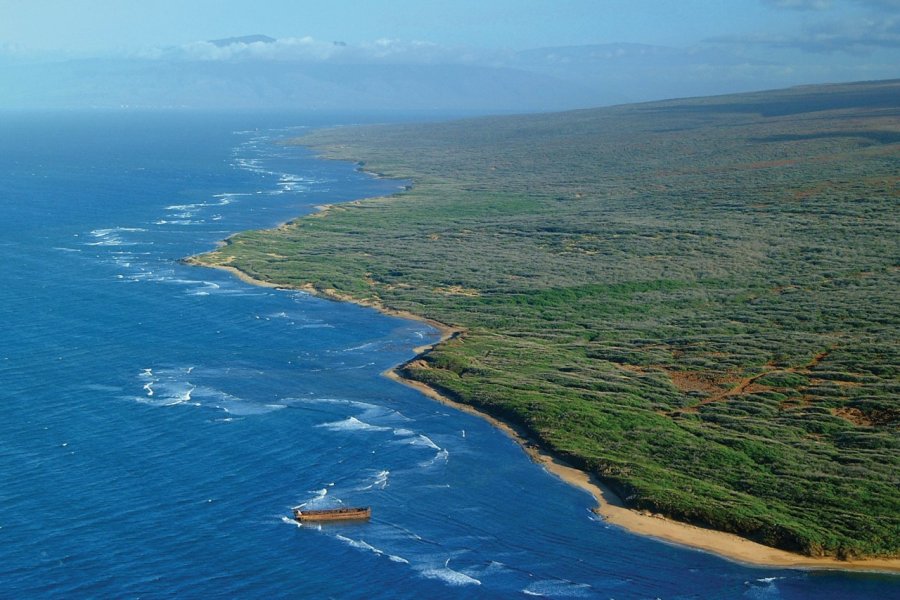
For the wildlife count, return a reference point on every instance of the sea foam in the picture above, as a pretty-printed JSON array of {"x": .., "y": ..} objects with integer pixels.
[
  {"x": 363, "y": 545},
  {"x": 380, "y": 482},
  {"x": 449, "y": 576},
  {"x": 352, "y": 424},
  {"x": 558, "y": 589}
]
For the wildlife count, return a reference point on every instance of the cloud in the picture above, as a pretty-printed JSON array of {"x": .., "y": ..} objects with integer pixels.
[
  {"x": 311, "y": 50},
  {"x": 891, "y": 5},
  {"x": 852, "y": 35},
  {"x": 849, "y": 35},
  {"x": 821, "y": 5},
  {"x": 799, "y": 4},
  {"x": 305, "y": 48}
]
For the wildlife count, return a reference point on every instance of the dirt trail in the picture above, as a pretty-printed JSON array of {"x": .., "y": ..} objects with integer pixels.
[{"x": 742, "y": 386}]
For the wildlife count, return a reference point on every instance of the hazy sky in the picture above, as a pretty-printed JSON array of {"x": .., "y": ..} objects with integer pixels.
[
  {"x": 112, "y": 26},
  {"x": 639, "y": 50}
]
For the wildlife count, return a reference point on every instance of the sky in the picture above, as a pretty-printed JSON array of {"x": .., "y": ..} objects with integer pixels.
[
  {"x": 627, "y": 50},
  {"x": 123, "y": 26}
]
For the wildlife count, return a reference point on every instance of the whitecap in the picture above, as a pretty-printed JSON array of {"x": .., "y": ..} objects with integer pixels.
[
  {"x": 293, "y": 178},
  {"x": 208, "y": 288},
  {"x": 364, "y": 545},
  {"x": 768, "y": 579},
  {"x": 112, "y": 230},
  {"x": 558, "y": 589},
  {"x": 380, "y": 482},
  {"x": 360, "y": 544},
  {"x": 442, "y": 456},
  {"x": 354, "y": 367},
  {"x": 173, "y": 392},
  {"x": 177, "y": 222},
  {"x": 168, "y": 388},
  {"x": 186, "y": 395},
  {"x": 354, "y": 403},
  {"x": 247, "y": 409},
  {"x": 232, "y": 404},
  {"x": 764, "y": 587},
  {"x": 318, "y": 500},
  {"x": 365, "y": 346},
  {"x": 110, "y": 241},
  {"x": 352, "y": 424},
  {"x": 424, "y": 441},
  {"x": 141, "y": 276},
  {"x": 382, "y": 478},
  {"x": 228, "y": 198},
  {"x": 111, "y": 236},
  {"x": 383, "y": 413},
  {"x": 449, "y": 576},
  {"x": 290, "y": 521}
]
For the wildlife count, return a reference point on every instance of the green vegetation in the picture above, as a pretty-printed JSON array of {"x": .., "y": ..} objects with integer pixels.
[{"x": 697, "y": 300}]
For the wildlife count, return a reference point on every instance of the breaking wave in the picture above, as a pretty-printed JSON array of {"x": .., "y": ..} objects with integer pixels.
[
  {"x": 352, "y": 424},
  {"x": 363, "y": 545},
  {"x": 558, "y": 589},
  {"x": 449, "y": 576},
  {"x": 169, "y": 387}
]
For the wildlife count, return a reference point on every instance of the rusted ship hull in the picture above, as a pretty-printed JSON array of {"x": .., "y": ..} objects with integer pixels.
[{"x": 333, "y": 514}]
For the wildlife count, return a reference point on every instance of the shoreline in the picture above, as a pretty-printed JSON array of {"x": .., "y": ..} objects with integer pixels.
[
  {"x": 609, "y": 507},
  {"x": 613, "y": 511}
]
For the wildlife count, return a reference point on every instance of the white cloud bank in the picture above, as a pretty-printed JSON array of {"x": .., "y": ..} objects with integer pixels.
[{"x": 308, "y": 49}]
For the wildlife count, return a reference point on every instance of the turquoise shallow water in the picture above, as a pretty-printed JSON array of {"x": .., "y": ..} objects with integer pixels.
[{"x": 158, "y": 421}]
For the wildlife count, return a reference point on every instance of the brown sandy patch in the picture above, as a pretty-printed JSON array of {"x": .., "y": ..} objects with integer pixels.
[
  {"x": 696, "y": 381},
  {"x": 853, "y": 415},
  {"x": 457, "y": 290}
]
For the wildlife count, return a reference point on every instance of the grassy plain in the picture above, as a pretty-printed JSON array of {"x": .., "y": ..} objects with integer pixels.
[{"x": 696, "y": 300}]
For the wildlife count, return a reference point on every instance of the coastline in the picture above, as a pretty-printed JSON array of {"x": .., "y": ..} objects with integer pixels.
[
  {"x": 613, "y": 511},
  {"x": 609, "y": 506}
]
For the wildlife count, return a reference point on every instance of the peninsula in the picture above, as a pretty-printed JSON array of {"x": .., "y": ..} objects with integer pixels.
[{"x": 694, "y": 302}]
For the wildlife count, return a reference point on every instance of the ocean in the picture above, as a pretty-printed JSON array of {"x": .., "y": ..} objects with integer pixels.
[{"x": 158, "y": 421}]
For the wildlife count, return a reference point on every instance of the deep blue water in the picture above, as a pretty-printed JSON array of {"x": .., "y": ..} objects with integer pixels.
[{"x": 158, "y": 421}]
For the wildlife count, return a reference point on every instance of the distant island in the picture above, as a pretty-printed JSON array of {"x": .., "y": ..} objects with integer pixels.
[
  {"x": 694, "y": 301},
  {"x": 244, "y": 39}
]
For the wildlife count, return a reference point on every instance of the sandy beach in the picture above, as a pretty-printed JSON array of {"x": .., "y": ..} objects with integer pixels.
[{"x": 609, "y": 506}]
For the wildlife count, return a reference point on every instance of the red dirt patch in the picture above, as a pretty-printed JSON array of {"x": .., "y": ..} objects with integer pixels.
[
  {"x": 854, "y": 415},
  {"x": 695, "y": 381}
]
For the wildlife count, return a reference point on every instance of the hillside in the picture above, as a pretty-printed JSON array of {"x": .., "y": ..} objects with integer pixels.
[{"x": 696, "y": 300}]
